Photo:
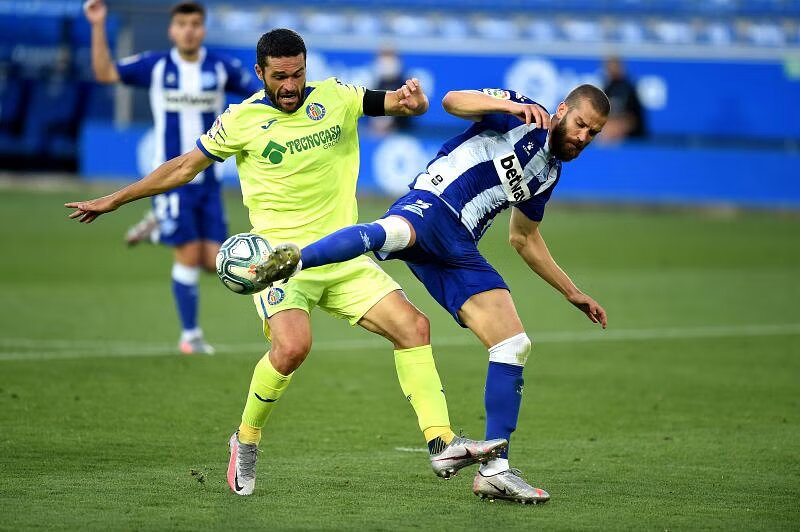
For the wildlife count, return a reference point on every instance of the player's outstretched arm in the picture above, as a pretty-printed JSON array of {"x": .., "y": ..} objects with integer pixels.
[
  {"x": 472, "y": 105},
  {"x": 171, "y": 174},
  {"x": 408, "y": 100},
  {"x": 525, "y": 237},
  {"x": 102, "y": 65}
]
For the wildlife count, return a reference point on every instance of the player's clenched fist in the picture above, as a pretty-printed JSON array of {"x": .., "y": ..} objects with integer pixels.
[
  {"x": 412, "y": 97},
  {"x": 95, "y": 11}
]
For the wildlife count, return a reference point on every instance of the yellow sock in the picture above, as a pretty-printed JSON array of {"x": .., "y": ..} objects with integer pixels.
[
  {"x": 248, "y": 434},
  {"x": 266, "y": 387},
  {"x": 420, "y": 382},
  {"x": 445, "y": 433}
]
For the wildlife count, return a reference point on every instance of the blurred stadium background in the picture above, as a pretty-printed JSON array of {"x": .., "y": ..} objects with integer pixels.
[
  {"x": 683, "y": 415},
  {"x": 718, "y": 80}
]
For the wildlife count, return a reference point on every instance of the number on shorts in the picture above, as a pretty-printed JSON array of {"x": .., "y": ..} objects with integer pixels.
[{"x": 167, "y": 206}]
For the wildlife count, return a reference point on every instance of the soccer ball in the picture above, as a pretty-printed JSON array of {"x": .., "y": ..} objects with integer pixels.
[{"x": 237, "y": 260}]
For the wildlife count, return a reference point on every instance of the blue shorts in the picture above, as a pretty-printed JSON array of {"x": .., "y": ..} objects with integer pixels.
[
  {"x": 445, "y": 257},
  {"x": 190, "y": 213}
]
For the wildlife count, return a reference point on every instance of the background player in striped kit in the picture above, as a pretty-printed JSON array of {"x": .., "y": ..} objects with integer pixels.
[
  {"x": 187, "y": 86},
  {"x": 510, "y": 157}
]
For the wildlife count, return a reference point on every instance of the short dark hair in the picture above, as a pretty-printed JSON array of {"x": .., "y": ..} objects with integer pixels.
[
  {"x": 187, "y": 8},
  {"x": 280, "y": 42},
  {"x": 597, "y": 98}
]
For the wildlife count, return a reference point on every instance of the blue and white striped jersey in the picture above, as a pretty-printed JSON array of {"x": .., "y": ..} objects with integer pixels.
[
  {"x": 185, "y": 97},
  {"x": 497, "y": 163}
]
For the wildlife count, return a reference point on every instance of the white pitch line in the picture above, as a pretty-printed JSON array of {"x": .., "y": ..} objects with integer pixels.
[
  {"x": 411, "y": 449},
  {"x": 12, "y": 349}
]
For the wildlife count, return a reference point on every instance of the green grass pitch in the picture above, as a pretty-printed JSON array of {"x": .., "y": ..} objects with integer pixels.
[{"x": 683, "y": 415}]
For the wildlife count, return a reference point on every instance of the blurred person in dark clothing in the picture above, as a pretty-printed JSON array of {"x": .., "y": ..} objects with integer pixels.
[
  {"x": 389, "y": 75},
  {"x": 627, "y": 118}
]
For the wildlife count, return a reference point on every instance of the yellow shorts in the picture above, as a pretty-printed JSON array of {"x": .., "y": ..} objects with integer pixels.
[{"x": 346, "y": 290}]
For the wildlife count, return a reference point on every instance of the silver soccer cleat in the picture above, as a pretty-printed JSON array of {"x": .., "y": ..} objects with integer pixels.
[
  {"x": 508, "y": 486},
  {"x": 281, "y": 264},
  {"x": 195, "y": 346},
  {"x": 242, "y": 466},
  {"x": 146, "y": 230},
  {"x": 462, "y": 452}
]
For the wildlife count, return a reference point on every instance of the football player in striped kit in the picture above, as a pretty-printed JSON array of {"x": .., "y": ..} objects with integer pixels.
[
  {"x": 187, "y": 86},
  {"x": 510, "y": 157}
]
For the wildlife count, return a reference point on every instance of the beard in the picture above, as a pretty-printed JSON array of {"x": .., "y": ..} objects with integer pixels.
[
  {"x": 286, "y": 101},
  {"x": 563, "y": 149}
]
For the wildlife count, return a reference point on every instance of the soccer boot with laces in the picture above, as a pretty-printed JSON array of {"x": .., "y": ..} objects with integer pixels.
[
  {"x": 282, "y": 263},
  {"x": 508, "y": 485},
  {"x": 462, "y": 452},
  {"x": 242, "y": 466}
]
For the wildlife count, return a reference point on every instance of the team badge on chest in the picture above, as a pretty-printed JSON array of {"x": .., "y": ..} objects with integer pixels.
[{"x": 315, "y": 111}]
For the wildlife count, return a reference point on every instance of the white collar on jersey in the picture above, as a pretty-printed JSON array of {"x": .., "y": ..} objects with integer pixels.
[{"x": 178, "y": 60}]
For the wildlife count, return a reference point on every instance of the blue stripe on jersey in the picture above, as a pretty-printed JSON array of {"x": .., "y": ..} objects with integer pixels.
[
  {"x": 473, "y": 182},
  {"x": 209, "y": 80},
  {"x": 172, "y": 125},
  {"x": 208, "y": 153}
]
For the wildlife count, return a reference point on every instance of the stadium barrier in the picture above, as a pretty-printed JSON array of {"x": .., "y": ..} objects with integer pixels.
[{"x": 626, "y": 173}]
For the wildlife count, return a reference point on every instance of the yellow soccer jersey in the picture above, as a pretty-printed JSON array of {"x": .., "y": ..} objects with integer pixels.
[{"x": 298, "y": 171}]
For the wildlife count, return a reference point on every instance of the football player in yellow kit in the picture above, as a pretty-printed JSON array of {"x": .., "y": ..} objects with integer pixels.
[{"x": 297, "y": 153}]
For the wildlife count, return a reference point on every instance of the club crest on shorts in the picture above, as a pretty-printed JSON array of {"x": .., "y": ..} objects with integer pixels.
[
  {"x": 315, "y": 111},
  {"x": 275, "y": 296}
]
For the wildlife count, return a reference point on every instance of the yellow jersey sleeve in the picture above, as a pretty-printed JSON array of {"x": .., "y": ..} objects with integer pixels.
[
  {"x": 353, "y": 97},
  {"x": 225, "y": 138}
]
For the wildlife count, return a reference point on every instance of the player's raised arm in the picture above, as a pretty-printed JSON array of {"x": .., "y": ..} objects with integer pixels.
[
  {"x": 171, "y": 174},
  {"x": 102, "y": 65},
  {"x": 472, "y": 105},
  {"x": 408, "y": 100},
  {"x": 525, "y": 237}
]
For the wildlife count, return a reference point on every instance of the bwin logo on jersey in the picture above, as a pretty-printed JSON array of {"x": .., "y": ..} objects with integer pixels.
[{"x": 315, "y": 111}]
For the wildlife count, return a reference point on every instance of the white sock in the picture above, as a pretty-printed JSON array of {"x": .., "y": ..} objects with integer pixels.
[
  {"x": 190, "y": 334},
  {"x": 494, "y": 466}
]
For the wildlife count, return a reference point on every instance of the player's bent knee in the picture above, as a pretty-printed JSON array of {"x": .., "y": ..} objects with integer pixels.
[
  {"x": 422, "y": 329},
  {"x": 286, "y": 358},
  {"x": 514, "y": 350},
  {"x": 412, "y": 330}
]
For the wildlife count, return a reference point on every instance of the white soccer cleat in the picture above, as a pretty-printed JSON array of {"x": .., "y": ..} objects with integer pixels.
[
  {"x": 282, "y": 263},
  {"x": 195, "y": 346},
  {"x": 462, "y": 452},
  {"x": 508, "y": 486},
  {"x": 147, "y": 230},
  {"x": 242, "y": 466}
]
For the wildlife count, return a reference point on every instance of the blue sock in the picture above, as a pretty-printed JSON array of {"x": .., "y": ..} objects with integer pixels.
[
  {"x": 344, "y": 244},
  {"x": 184, "y": 289},
  {"x": 502, "y": 399}
]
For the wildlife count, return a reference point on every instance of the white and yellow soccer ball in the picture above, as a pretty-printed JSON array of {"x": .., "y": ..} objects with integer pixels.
[{"x": 237, "y": 260}]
